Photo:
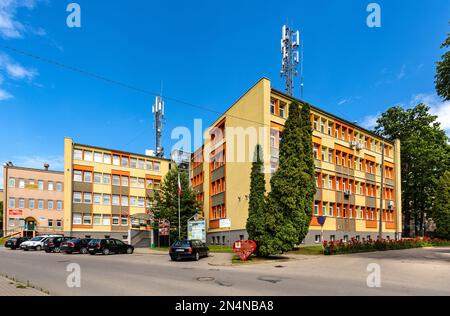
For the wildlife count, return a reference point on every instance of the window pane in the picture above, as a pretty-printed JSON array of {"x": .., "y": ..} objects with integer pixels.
[
  {"x": 106, "y": 199},
  {"x": 88, "y": 176},
  {"x": 107, "y": 158},
  {"x": 124, "y": 161},
  {"x": 124, "y": 181},
  {"x": 87, "y": 198},
  {"x": 88, "y": 155},
  {"x": 97, "y": 198},
  {"x": 133, "y": 162},
  {"x": 97, "y": 177},
  {"x": 115, "y": 180},
  {"x": 156, "y": 166},
  {"x": 76, "y": 197},
  {"x": 77, "y": 176},
  {"x": 50, "y": 205},
  {"x": 97, "y": 157},
  {"x": 77, "y": 154},
  {"x": 76, "y": 219},
  {"x": 116, "y": 160}
]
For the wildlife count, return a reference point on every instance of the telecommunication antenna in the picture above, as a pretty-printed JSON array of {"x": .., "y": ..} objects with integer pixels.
[
  {"x": 290, "y": 44},
  {"x": 158, "y": 110}
]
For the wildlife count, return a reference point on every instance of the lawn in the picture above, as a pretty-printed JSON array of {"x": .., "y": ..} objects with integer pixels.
[
  {"x": 308, "y": 250},
  {"x": 212, "y": 248}
]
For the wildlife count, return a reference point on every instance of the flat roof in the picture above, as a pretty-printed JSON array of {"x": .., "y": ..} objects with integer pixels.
[
  {"x": 122, "y": 152},
  {"x": 35, "y": 169}
]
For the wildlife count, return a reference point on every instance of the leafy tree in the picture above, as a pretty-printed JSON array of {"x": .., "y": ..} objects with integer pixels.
[
  {"x": 443, "y": 72},
  {"x": 257, "y": 201},
  {"x": 424, "y": 158},
  {"x": 441, "y": 213},
  {"x": 288, "y": 213},
  {"x": 167, "y": 202}
]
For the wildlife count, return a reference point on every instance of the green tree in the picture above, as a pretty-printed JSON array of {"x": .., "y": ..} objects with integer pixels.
[
  {"x": 167, "y": 202},
  {"x": 443, "y": 72},
  {"x": 441, "y": 213},
  {"x": 424, "y": 158},
  {"x": 288, "y": 212},
  {"x": 257, "y": 201}
]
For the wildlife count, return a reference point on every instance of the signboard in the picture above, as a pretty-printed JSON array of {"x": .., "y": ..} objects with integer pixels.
[
  {"x": 321, "y": 220},
  {"x": 225, "y": 223},
  {"x": 164, "y": 228},
  {"x": 15, "y": 212},
  {"x": 31, "y": 186},
  {"x": 197, "y": 230},
  {"x": 244, "y": 248}
]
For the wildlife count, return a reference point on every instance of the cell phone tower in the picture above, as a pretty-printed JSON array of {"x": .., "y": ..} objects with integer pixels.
[
  {"x": 290, "y": 45},
  {"x": 158, "y": 110}
]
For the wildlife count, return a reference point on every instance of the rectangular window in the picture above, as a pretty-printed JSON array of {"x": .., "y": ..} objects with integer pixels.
[
  {"x": 133, "y": 163},
  {"x": 87, "y": 198},
  {"x": 116, "y": 160},
  {"x": 141, "y": 164},
  {"x": 115, "y": 220},
  {"x": 40, "y": 204},
  {"x": 87, "y": 155},
  {"x": 97, "y": 219},
  {"x": 124, "y": 181},
  {"x": 59, "y": 186},
  {"x": 115, "y": 200},
  {"x": 50, "y": 223},
  {"x": 149, "y": 165},
  {"x": 21, "y": 203},
  {"x": 272, "y": 106},
  {"x": 106, "y": 220},
  {"x": 87, "y": 220},
  {"x": 41, "y": 185},
  {"x": 107, "y": 159},
  {"x": 141, "y": 183},
  {"x": 87, "y": 176},
  {"x": 12, "y": 183},
  {"x": 330, "y": 210},
  {"x": 50, "y": 186},
  {"x": 324, "y": 210},
  {"x": 157, "y": 166},
  {"x": 106, "y": 199},
  {"x": 58, "y": 223},
  {"x": 141, "y": 202},
  {"x": 98, "y": 157},
  {"x": 115, "y": 180},
  {"x": 133, "y": 182},
  {"x": 124, "y": 161},
  {"x": 21, "y": 183},
  {"x": 50, "y": 204},
  {"x": 97, "y": 178},
  {"x": 31, "y": 203},
  {"x": 97, "y": 198},
  {"x": 77, "y": 176},
  {"x": 124, "y": 221},
  {"x": 316, "y": 209},
  {"x": 282, "y": 110},
  {"x": 133, "y": 201},
  {"x": 106, "y": 178},
  {"x": 124, "y": 200},
  {"x": 59, "y": 205},
  {"x": 77, "y": 154}
]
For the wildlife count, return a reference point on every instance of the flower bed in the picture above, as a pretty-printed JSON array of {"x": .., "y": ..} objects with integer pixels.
[{"x": 366, "y": 245}]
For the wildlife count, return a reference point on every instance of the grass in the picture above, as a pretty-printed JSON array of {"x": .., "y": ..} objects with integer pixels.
[{"x": 308, "y": 250}]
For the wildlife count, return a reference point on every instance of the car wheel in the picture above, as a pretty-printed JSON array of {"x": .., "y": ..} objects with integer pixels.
[
  {"x": 83, "y": 251},
  {"x": 57, "y": 250},
  {"x": 38, "y": 248},
  {"x": 129, "y": 251},
  {"x": 106, "y": 251},
  {"x": 197, "y": 256}
]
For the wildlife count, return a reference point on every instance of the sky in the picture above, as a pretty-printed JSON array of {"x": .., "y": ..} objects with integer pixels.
[{"x": 201, "y": 53}]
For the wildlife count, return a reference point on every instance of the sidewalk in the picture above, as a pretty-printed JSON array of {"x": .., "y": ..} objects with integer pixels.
[
  {"x": 150, "y": 251},
  {"x": 12, "y": 288}
]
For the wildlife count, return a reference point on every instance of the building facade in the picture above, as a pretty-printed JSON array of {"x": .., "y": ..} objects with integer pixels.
[
  {"x": 109, "y": 193},
  {"x": 33, "y": 201},
  {"x": 348, "y": 162}
]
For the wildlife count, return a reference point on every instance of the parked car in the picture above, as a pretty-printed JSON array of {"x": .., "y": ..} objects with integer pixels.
[
  {"x": 188, "y": 249},
  {"x": 36, "y": 243},
  {"x": 108, "y": 246},
  {"x": 75, "y": 245},
  {"x": 15, "y": 242},
  {"x": 53, "y": 244}
]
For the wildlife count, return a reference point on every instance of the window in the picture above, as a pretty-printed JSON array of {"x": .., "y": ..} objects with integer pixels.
[
  {"x": 141, "y": 183},
  {"x": 21, "y": 183},
  {"x": 124, "y": 161},
  {"x": 141, "y": 164},
  {"x": 58, "y": 205},
  {"x": 124, "y": 221},
  {"x": 148, "y": 165},
  {"x": 87, "y": 155},
  {"x": 324, "y": 210},
  {"x": 116, "y": 160},
  {"x": 115, "y": 180},
  {"x": 106, "y": 220},
  {"x": 330, "y": 156},
  {"x": 133, "y": 182},
  {"x": 58, "y": 223},
  {"x": 133, "y": 162},
  {"x": 87, "y": 198},
  {"x": 115, "y": 200},
  {"x": 77, "y": 176},
  {"x": 332, "y": 237},
  {"x": 50, "y": 186},
  {"x": 141, "y": 202},
  {"x": 77, "y": 154},
  {"x": 50, "y": 205},
  {"x": 87, "y": 220},
  {"x": 106, "y": 199},
  {"x": 98, "y": 157},
  {"x": 317, "y": 181},
  {"x": 156, "y": 185},
  {"x": 124, "y": 200},
  {"x": 329, "y": 129},
  {"x": 87, "y": 176},
  {"x": 41, "y": 185},
  {"x": 330, "y": 183},
  {"x": 106, "y": 178},
  {"x": 107, "y": 159},
  {"x": 97, "y": 198},
  {"x": 21, "y": 203},
  {"x": 50, "y": 223},
  {"x": 31, "y": 203},
  {"x": 11, "y": 222},
  {"x": 345, "y": 238},
  {"x": 133, "y": 201},
  {"x": 97, "y": 219},
  {"x": 97, "y": 177},
  {"x": 76, "y": 197},
  {"x": 157, "y": 166},
  {"x": 41, "y": 204},
  {"x": 115, "y": 220},
  {"x": 316, "y": 152},
  {"x": 59, "y": 186},
  {"x": 316, "y": 209},
  {"x": 317, "y": 239},
  {"x": 12, "y": 183},
  {"x": 323, "y": 154},
  {"x": 124, "y": 181},
  {"x": 338, "y": 211},
  {"x": 330, "y": 210},
  {"x": 322, "y": 126},
  {"x": 315, "y": 124},
  {"x": 272, "y": 106},
  {"x": 282, "y": 110}
]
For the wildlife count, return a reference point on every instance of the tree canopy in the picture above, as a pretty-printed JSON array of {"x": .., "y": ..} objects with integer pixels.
[{"x": 443, "y": 72}]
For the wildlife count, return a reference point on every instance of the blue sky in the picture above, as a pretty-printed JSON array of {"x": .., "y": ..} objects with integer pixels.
[{"x": 206, "y": 53}]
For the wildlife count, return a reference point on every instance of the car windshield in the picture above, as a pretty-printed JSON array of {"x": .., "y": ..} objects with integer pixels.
[
  {"x": 94, "y": 241},
  {"x": 37, "y": 238},
  {"x": 181, "y": 243}
]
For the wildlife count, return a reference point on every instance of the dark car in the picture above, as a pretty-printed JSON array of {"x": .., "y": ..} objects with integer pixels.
[
  {"x": 53, "y": 244},
  {"x": 15, "y": 242},
  {"x": 75, "y": 245},
  {"x": 108, "y": 246},
  {"x": 188, "y": 249}
]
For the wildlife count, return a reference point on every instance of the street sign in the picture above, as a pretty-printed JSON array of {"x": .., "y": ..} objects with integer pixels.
[
  {"x": 197, "y": 230},
  {"x": 244, "y": 248},
  {"x": 321, "y": 220},
  {"x": 225, "y": 223}
]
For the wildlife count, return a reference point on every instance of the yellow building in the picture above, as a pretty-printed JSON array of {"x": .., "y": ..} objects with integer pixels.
[
  {"x": 109, "y": 193},
  {"x": 348, "y": 170}
]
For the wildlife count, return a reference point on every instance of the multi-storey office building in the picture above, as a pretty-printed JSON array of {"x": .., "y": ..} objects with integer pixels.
[
  {"x": 109, "y": 193},
  {"x": 348, "y": 169},
  {"x": 33, "y": 201}
]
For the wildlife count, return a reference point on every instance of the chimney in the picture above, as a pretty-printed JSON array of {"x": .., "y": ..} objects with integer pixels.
[{"x": 46, "y": 166}]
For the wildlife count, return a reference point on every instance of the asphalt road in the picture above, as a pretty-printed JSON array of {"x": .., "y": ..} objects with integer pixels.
[{"x": 403, "y": 272}]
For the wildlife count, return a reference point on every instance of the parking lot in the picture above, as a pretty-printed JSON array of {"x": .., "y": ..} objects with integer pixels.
[{"x": 403, "y": 272}]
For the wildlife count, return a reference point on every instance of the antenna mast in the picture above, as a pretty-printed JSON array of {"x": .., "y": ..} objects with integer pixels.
[
  {"x": 158, "y": 110},
  {"x": 290, "y": 43}
]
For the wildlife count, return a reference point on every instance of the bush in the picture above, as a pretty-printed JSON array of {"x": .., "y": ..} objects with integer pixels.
[{"x": 367, "y": 245}]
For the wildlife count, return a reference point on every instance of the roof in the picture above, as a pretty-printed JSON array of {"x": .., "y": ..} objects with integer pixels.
[{"x": 34, "y": 169}]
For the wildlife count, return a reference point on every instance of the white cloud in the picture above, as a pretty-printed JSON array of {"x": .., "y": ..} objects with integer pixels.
[
  {"x": 370, "y": 121},
  {"x": 5, "y": 95},
  {"x": 55, "y": 162},
  {"x": 17, "y": 71},
  {"x": 343, "y": 101},
  {"x": 437, "y": 107},
  {"x": 10, "y": 26},
  {"x": 400, "y": 75}
]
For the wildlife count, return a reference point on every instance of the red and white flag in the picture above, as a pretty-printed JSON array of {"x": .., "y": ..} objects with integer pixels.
[{"x": 179, "y": 185}]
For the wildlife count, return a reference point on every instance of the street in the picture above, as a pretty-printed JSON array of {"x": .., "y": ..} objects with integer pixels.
[{"x": 403, "y": 272}]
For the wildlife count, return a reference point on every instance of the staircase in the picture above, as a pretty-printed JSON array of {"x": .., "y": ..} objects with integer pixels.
[{"x": 143, "y": 243}]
